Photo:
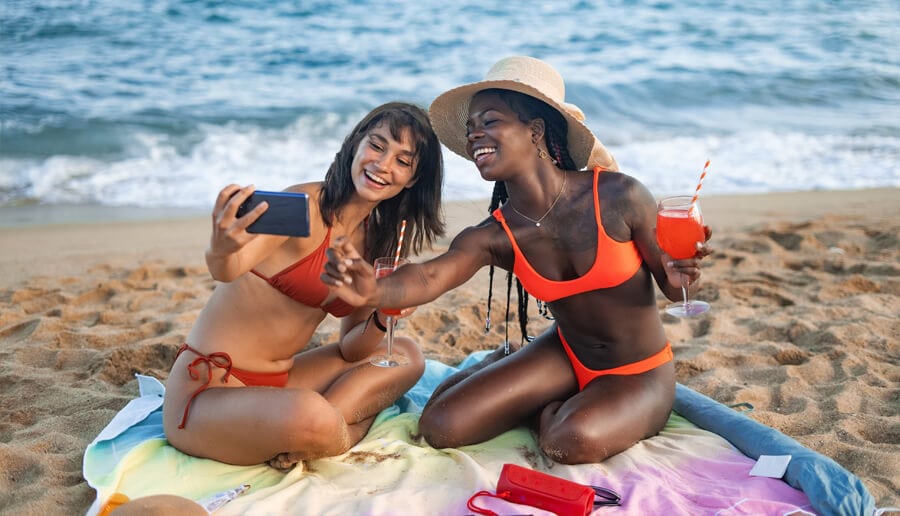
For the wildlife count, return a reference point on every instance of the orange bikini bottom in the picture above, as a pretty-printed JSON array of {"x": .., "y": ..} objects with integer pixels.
[
  {"x": 223, "y": 361},
  {"x": 585, "y": 375}
]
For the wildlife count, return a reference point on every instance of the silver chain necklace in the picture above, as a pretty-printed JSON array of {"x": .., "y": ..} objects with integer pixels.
[{"x": 537, "y": 222}]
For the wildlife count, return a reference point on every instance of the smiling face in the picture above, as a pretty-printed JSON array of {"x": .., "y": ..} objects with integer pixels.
[
  {"x": 497, "y": 140},
  {"x": 382, "y": 166}
]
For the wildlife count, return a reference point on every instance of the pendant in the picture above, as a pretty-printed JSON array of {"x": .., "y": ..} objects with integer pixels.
[{"x": 537, "y": 224}]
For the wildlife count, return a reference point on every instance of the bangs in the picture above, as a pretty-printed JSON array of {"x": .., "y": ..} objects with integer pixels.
[{"x": 398, "y": 123}]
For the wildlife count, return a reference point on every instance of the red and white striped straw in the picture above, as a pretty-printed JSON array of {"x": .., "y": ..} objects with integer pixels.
[
  {"x": 399, "y": 243},
  {"x": 699, "y": 184}
]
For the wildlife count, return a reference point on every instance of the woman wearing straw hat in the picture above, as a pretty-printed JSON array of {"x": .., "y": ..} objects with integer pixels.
[
  {"x": 243, "y": 388},
  {"x": 580, "y": 241}
]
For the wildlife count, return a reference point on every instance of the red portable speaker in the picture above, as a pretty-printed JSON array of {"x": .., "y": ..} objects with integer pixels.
[{"x": 537, "y": 489}]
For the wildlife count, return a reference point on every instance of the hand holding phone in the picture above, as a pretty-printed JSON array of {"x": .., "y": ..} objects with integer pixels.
[{"x": 287, "y": 214}]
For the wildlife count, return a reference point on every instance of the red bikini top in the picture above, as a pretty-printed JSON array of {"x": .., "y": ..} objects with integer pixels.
[
  {"x": 614, "y": 263},
  {"x": 300, "y": 282}
]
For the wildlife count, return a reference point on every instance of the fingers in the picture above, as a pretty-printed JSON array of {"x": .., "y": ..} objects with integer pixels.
[
  {"x": 231, "y": 207},
  {"x": 251, "y": 216},
  {"x": 689, "y": 267},
  {"x": 228, "y": 201},
  {"x": 335, "y": 267},
  {"x": 229, "y": 233},
  {"x": 343, "y": 261},
  {"x": 226, "y": 194},
  {"x": 347, "y": 250},
  {"x": 334, "y": 278},
  {"x": 406, "y": 312},
  {"x": 221, "y": 200},
  {"x": 703, "y": 250}
]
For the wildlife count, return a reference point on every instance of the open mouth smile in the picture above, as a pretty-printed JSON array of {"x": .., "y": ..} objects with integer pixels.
[
  {"x": 375, "y": 179},
  {"x": 479, "y": 154}
]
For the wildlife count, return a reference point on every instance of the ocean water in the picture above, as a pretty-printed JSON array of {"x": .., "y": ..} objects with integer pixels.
[{"x": 161, "y": 103}]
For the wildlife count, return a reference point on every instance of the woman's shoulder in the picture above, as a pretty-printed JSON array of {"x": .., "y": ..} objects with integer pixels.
[
  {"x": 617, "y": 177},
  {"x": 311, "y": 189},
  {"x": 487, "y": 234},
  {"x": 619, "y": 184},
  {"x": 482, "y": 241}
]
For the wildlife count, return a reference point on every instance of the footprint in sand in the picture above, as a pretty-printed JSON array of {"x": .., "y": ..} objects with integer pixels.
[
  {"x": 685, "y": 369},
  {"x": 760, "y": 294},
  {"x": 791, "y": 356},
  {"x": 751, "y": 246},
  {"x": 701, "y": 327},
  {"x": 20, "y": 470},
  {"x": 790, "y": 238},
  {"x": 119, "y": 365},
  {"x": 35, "y": 300},
  {"x": 99, "y": 295},
  {"x": 18, "y": 332},
  {"x": 850, "y": 287}
]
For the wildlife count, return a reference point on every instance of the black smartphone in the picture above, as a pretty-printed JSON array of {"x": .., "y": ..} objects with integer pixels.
[{"x": 288, "y": 213}]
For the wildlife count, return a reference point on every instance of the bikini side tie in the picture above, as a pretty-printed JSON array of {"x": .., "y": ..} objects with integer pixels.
[{"x": 218, "y": 359}]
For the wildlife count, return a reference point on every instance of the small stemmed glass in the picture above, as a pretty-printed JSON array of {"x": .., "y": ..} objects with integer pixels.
[
  {"x": 384, "y": 267},
  {"x": 679, "y": 227}
]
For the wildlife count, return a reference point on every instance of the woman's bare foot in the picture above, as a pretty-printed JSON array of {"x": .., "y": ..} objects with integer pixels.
[{"x": 285, "y": 462}]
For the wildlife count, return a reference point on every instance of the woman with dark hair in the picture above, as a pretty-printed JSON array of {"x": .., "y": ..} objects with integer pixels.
[
  {"x": 580, "y": 237},
  {"x": 243, "y": 389}
]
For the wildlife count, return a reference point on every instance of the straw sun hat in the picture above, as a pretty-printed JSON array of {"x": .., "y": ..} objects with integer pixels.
[{"x": 532, "y": 77}]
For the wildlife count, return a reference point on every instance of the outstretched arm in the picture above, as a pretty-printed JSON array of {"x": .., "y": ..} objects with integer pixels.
[{"x": 353, "y": 279}]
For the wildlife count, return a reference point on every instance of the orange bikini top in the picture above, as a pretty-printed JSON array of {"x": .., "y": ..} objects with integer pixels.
[
  {"x": 614, "y": 263},
  {"x": 301, "y": 282}
]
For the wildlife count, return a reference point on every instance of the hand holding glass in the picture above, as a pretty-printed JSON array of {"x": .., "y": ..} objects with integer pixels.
[
  {"x": 384, "y": 267},
  {"x": 679, "y": 227}
]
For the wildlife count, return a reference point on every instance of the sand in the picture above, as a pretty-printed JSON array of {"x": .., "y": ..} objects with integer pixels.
[{"x": 805, "y": 289}]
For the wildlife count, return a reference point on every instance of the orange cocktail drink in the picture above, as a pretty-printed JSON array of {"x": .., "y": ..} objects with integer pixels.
[
  {"x": 385, "y": 266},
  {"x": 679, "y": 227},
  {"x": 382, "y": 269}
]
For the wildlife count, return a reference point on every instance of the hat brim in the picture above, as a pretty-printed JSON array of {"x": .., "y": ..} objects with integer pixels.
[{"x": 450, "y": 111}]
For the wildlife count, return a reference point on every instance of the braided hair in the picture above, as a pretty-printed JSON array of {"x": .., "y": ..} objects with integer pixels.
[{"x": 528, "y": 108}]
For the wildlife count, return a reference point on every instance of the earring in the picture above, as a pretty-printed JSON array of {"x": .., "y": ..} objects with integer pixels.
[{"x": 543, "y": 155}]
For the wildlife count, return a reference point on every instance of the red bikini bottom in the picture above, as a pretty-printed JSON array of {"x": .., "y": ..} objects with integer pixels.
[
  {"x": 223, "y": 361},
  {"x": 585, "y": 375}
]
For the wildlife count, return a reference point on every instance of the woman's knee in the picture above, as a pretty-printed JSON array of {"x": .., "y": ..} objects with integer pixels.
[
  {"x": 434, "y": 430},
  {"x": 410, "y": 349},
  {"x": 575, "y": 439},
  {"x": 416, "y": 366},
  {"x": 574, "y": 448},
  {"x": 440, "y": 428},
  {"x": 312, "y": 424}
]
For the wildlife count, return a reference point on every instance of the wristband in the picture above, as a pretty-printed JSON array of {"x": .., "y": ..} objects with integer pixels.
[{"x": 377, "y": 322}]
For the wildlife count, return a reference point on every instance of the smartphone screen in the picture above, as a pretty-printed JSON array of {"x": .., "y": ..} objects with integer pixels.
[{"x": 288, "y": 213}]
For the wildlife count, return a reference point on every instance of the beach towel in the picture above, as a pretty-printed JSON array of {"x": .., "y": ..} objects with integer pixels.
[{"x": 699, "y": 464}]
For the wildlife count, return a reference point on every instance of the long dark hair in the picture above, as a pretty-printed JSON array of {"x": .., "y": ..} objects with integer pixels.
[
  {"x": 556, "y": 131},
  {"x": 420, "y": 204}
]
